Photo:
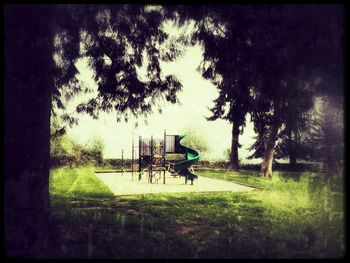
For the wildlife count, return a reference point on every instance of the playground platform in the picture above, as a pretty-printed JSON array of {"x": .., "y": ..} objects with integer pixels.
[{"x": 121, "y": 184}]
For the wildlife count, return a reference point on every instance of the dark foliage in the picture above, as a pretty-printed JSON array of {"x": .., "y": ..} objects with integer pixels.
[
  {"x": 116, "y": 40},
  {"x": 42, "y": 45},
  {"x": 269, "y": 61}
]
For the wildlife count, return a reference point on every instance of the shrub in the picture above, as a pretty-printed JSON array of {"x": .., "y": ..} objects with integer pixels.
[{"x": 65, "y": 151}]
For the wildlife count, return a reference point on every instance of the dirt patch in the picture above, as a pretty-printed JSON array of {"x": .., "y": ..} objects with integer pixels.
[
  {"x": 184, "y": 229},
  {"x": 193, "y": 226},
  {"x": 132, "y": 212},
  {"x": 98, "y": 208},
  {"x": 159, "y": 206}
]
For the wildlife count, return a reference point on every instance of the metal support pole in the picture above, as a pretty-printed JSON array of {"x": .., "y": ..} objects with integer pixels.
[
  {"x": 150, "y": 172},
  {"x": 164, "y": 153},
  {"x": 132, "y": 159},
  {"x": 122, "y": 161},
  {"x": 140, "y": 145}
]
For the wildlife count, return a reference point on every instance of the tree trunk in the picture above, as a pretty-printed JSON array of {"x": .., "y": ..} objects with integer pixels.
[
  {"x": 291, "y": 149},
  {"x": 292, "y": 159},
  {"x": 266, "y": 165},
  {"x": 234, "y": 166},
  {"x": 28, "y": 84}
]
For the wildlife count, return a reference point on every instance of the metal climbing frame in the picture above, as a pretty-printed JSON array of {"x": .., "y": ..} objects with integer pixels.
[
  {"x": 151, "y": 158},
  {"x": 148, "y": 157}
]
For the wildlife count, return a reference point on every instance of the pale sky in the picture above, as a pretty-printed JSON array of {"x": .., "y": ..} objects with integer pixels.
[{"x": 196, "y": 96}]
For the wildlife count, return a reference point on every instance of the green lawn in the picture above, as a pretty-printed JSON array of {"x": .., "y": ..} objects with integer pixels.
[
  {"x": 81, "y": 183},
  {"x": 291, "y": 216}
]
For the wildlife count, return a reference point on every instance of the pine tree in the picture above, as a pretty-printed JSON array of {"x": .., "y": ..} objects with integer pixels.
[{"x": 42, "y": 45}]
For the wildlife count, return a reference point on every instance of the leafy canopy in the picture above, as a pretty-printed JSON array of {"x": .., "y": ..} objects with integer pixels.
[{"x": 118, "y": 41}]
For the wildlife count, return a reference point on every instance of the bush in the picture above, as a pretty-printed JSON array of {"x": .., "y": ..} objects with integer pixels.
[
  {"x": 93, "y": 152},
  {"x": 64, "y": 151},
  {"x": 117, "y": 162},
  {"x": 61, "y": 151},
  {"x": 196, "y": 140}
]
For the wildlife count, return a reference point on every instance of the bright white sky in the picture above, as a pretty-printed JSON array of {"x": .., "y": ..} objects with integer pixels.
[{"x": 196, "y": 99}]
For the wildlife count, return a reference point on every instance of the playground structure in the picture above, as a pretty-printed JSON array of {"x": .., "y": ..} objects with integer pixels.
[{"x": 149, "y": 159}]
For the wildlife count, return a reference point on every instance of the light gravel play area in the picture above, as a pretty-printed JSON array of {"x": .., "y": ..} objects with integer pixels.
[{"x": 122, "y": 184}]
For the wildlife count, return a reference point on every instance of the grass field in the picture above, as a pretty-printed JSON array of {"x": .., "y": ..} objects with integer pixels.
[{"x": 291, "y": 216}]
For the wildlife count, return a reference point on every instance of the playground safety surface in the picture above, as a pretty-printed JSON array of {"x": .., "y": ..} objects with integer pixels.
[{"x": 122, "y": 184}]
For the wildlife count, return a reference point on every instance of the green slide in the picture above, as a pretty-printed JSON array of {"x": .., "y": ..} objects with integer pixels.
[{"x": 192, "y": 157}]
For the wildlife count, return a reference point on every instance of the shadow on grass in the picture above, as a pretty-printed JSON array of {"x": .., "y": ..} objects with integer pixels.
[
  {"x": 276, "y": 222},
  {"x": 213, "y": 225}
]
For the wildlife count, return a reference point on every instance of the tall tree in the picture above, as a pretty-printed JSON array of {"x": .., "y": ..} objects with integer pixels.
[
  {"x": 294, "y": 136},
  {"x": 42, "y": 45},
  {"x": 28, "y": 86},
  {"x": 287, "y": 49},
  {"x": 292, "y": 140},
  {"x": 327, "y": 135},
  {"x": 256, "y": 53},
  {"x": 223, "y": 31},
  {"x": 229, "y": 66}
]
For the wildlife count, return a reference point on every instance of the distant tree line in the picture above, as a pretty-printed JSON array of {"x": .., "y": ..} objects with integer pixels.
[{"x": 65, "y": 151}]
